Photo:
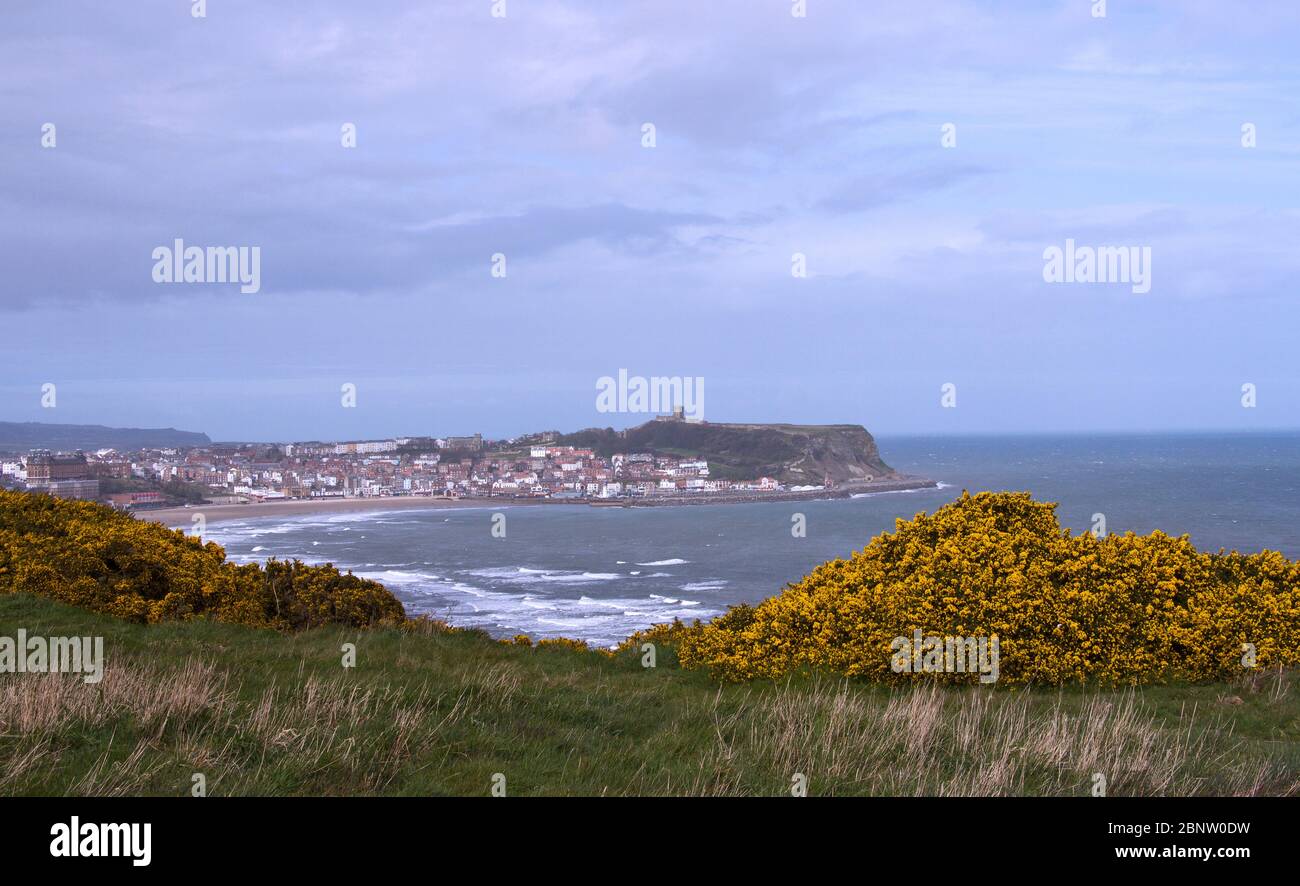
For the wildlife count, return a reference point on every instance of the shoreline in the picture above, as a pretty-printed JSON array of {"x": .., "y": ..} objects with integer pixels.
[{"x": 214, "y": 513}]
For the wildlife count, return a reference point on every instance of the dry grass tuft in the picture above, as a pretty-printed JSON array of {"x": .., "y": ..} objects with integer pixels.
[
  {"x": 35, "y": 703},
  {"x": 936, "y": 742}
]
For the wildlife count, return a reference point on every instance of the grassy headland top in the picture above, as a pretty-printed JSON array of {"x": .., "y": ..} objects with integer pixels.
[{"x": 795, "y": 454}]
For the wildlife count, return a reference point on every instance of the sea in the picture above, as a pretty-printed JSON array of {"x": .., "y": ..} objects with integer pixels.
[{"x": 599, "y": 574}]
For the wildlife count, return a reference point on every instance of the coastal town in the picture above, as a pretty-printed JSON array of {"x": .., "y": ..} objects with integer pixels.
[{"x": 452, "y": 467}]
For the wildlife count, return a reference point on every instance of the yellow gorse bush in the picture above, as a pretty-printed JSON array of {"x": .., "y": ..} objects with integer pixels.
[
  {"x": 1119, "y": 609},
  {"x": 96, "y": 558}
]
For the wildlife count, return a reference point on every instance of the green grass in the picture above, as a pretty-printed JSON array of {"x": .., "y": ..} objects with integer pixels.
[{"x": 439, "y": 714}]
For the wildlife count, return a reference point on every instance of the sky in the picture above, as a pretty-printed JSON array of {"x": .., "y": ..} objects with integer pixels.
[{"x": 921, "y": 158}]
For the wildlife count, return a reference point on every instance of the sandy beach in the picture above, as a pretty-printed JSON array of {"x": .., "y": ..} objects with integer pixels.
[
  {"x": 304, "y": 507},
  {"x": 301, "y": 507}
]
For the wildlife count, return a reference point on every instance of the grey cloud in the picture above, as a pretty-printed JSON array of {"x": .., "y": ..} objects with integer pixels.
[{"x": 870, "y": 192}]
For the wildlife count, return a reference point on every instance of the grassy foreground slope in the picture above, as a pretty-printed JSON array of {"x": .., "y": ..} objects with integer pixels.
[{"x": 262, "y": 712}]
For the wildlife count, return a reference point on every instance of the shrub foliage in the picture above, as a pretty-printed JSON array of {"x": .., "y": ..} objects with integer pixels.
[
  {"x": 1118, "y": 609},
  {"x": 91, "y": 556}
]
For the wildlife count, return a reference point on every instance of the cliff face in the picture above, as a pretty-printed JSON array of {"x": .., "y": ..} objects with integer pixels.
[
  {"x": 844, "y": 453},
  {"x": 795, "y": 454}
]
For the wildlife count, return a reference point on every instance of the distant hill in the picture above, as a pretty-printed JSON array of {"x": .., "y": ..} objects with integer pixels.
[
  {"x": 795, "y": 454},
  {"x": 22, "y": 436}
]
